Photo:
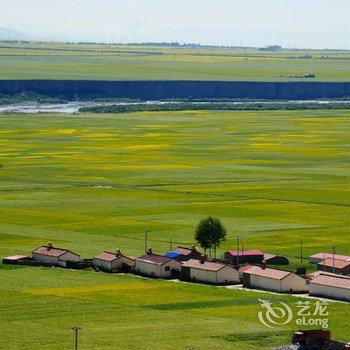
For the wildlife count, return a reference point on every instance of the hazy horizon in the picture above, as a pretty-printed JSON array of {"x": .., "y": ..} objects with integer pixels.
[{"x": 253, "y": 23}]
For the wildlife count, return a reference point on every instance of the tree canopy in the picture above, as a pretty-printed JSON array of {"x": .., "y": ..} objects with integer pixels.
[{"x": 210, "y": 233}]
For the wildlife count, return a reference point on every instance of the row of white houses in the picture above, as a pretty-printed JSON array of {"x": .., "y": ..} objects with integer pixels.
[{"x": 189, "y": 265}]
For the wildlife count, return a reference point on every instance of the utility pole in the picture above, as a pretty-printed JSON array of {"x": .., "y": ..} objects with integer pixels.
[
  {"x": 171, "y": 243},
  {"x": 76, "y": 330},
  {"x": 146, "y": 241},
  {"x": 301, "y": 251}
]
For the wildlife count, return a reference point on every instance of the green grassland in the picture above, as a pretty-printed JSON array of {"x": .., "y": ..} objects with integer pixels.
[
  {"x": 93, "y": 182},
  {"x": 132, "y": 62}
]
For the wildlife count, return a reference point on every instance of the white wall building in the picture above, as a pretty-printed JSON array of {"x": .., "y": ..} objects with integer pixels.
[
  {"x": 331, "y": 286},
  {"x": 155, "y": 265},
  {"x": 209, "y": 272},
  {"x": 54, "y": 256},
  {"x": 273, "y": 280},
  {"x": 113, "y": 262}
]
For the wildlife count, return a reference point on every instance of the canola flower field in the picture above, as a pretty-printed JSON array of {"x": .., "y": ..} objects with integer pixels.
[{"x": 97, "y": 182}]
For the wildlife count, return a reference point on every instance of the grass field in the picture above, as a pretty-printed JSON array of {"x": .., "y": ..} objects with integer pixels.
[
  {"x": 127, "y": 62},
  {"x": 94, "y": 182}
]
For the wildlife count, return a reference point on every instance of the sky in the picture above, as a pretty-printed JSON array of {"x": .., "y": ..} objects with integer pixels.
[{"x": 290, "y": 23}]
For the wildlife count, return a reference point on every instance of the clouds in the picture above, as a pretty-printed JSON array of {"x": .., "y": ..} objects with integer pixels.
[{"x": 312, "y": 23}]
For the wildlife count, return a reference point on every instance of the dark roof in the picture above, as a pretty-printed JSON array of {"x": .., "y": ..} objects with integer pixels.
[
  {"x": 266, "y": 272},
  {"x": 245, "y": 252},
  {"x": 154, "y": 259},
  {"x": 52, "y": 251},
  {"x": 206, "y": 265}
]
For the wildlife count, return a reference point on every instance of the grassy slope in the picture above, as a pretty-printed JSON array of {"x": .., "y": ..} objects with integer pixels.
[
  {"x": 273, "y": 177},
  {"x": 54, "y": 61}
]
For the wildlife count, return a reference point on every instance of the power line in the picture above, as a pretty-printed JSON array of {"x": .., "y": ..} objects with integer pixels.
[{"x": 76, "y": 330}]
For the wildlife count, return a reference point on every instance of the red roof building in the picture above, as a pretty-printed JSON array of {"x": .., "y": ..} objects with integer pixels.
[
  {"x": 184, "y": 254},
  {"x": 280, "y": 281},
  {"x": 209, "y": 272},
  {"x": 331, "y": 286},
  {"x": 113, "y": 262},
  {"x": 340, "y": 267},
  {"x": 50, "y": 255},
  {"x": 154, "y": 259},
  {"x": 317, "y": 258},
  {"x": 155, "y": 265}
]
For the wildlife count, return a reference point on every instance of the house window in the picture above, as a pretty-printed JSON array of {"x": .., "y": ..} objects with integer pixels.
[{"x": 167, "y": 268}]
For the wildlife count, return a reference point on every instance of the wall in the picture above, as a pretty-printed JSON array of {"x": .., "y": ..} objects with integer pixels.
[
  {"x": 102, "y": 264},
  {"x": 69, "y": 257},
  {"x": 228, "y": 274},
  {"x": 203, "y": 275},
  {"x": 154, "y": 90},
  {"x": 294, "y": 282},
  {"x": 331, "y": 292},
  {"x": 146, "y": 268},
  {"x": 265, "y": 283},
  {"x": 45, "y": 258}
]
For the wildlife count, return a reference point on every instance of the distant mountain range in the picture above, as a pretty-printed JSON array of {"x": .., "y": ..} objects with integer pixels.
[{"x": 11, "y": 34}]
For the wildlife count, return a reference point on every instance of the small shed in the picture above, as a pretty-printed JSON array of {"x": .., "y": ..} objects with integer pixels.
[
  {"x": 244, "y": 256},
  {"x": 331, "y": 286},
  {"x": 331, "y": 265},
  {"x": 15, "y": 259},
  {"x": 319, "y": 257},
  {"x": 155, "y": 265},
  {"x": 113, "y": 262},
  {"x": 274, "y": 280},
  {"x": 209, "y": 272},
  {"x": 272, "y": 259},
  {"x": 184, "y": 254},
  {"x": 50, "y": 255}
]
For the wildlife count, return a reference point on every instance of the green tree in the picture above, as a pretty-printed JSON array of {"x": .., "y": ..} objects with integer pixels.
[{"x": 210, "y": 233}]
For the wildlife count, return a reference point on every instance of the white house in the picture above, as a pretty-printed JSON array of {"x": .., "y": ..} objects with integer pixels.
[
  {"x": 209, "y": 272},
  {"x": 113, "y": 262},
  {"x": 155, "y": 265},
  {"x": 330, "y": 286},
  {"x": 319, "y": 257},
  {"x": 54, "y": 256},
  {"x": 273, "y": 280}
]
